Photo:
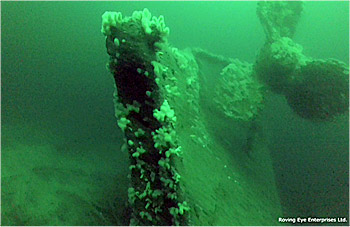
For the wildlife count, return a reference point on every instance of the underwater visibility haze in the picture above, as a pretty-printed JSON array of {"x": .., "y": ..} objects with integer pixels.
[{"x": 175, "y": 113}]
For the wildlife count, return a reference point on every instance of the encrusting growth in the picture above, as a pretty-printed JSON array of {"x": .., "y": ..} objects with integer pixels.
[{"x": 145, "y": 116}]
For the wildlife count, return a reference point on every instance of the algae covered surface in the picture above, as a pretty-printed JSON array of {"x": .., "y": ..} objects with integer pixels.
[{"x": 209, "y": 113}]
